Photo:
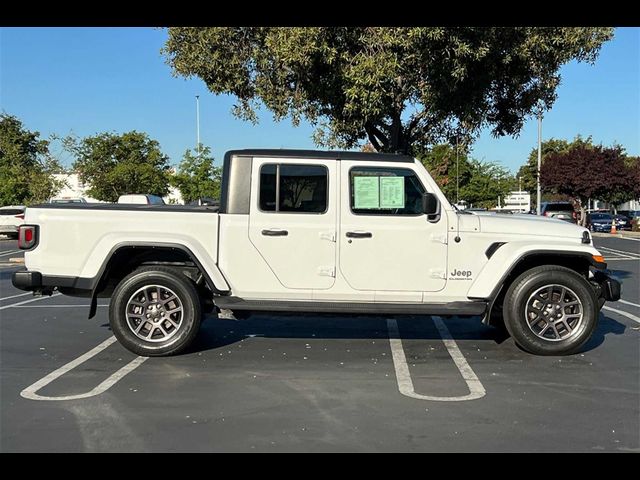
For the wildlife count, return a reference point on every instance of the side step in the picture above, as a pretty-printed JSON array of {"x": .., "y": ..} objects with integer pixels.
[{"x": 451, "y": 308}]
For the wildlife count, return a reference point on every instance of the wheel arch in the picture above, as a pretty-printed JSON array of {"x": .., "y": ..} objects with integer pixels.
[
  {"x": 125, "y": 257},
  {"x": 580, "y": 262}
]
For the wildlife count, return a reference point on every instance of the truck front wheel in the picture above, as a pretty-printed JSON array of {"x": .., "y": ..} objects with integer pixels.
[
  {"x": 550, "y": 310},
  {"x": 155, "y": 311}
]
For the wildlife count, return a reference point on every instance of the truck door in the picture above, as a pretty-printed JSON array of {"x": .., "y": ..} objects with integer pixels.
[
  {"x": 293, "y": 220},
  {"x": 386, "y": 242}
]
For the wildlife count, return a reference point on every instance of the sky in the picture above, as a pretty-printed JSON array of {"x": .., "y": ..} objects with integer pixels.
[{"x": 85, "y": 81}]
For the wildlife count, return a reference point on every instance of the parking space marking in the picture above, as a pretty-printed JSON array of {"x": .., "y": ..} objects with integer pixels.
[
  {"x": 10, "y": 252},
  {"x": 30, "y": 391},
  {"x": 37, "y": 299},
  {"x": 621, "y": 253},
  {"x": 16, "y": 296},
  {"x": 629, "y": 303},
  {"x": 623, "y": 313},
  {"x": 57, "y": 306},
  {"x": 403, "y": 376}
]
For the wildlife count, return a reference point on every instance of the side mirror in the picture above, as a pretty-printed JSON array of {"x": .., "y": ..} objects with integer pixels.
[{"x": 430, "y": 204}]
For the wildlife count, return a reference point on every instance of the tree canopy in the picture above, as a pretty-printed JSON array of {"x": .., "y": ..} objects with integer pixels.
[
  {"x": 586, "y": 171},
  {"x": 26, "y": 167},
  {"x": 115, "y": 165},
  {"x": 197, "y": 177},
  {"x": 396, "y": 87}
]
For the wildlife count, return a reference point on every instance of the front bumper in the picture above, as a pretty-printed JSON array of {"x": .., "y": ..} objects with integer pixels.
[{"x": 607, "y": 288}]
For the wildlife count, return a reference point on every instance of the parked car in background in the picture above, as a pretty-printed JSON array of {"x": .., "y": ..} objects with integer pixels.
[
  {"x": 622, "y": 222},
  {"x": 630, "y": 214},
  {"x": 11, "y": 217},
  {"x": 138, "y": 199},
  {"x": 559, "y": 210},
  {"x": 599, "y": 222},
  {"x": 63, "y": 200}
]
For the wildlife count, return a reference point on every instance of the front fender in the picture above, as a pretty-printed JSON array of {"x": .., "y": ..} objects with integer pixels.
[{"x": 504, "y": 260}]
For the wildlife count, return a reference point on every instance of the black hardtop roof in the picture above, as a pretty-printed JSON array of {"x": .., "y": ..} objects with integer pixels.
[{"x": 328, "y": 154}]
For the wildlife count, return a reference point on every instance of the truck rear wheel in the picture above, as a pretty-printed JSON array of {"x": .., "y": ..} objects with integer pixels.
[
  {"x": 550, "y": 310},
  {"x": 155, "y": 311}
]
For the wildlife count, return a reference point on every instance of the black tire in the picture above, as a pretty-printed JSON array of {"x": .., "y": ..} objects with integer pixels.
[
  {"x": 519, "y": 293},
  {"x": 178, "y": 284}
]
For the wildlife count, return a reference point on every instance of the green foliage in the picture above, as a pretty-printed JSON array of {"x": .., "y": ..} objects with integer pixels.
[
  {"x": 26, "y": 167},
  {"x": 487, "y": 182},
  {"x": 197, "y": 177},
  {"x": 396, "y": 87},
  {"x": 116, "y": 165},
  {"x": 440, "y": 162}
]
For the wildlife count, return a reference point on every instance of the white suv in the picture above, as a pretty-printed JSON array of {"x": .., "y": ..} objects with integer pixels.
[{"x": 10, "y": 218}]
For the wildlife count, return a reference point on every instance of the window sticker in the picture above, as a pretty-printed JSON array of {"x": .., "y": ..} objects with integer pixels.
[
  {"x": 391, "y": 192},
  {"x": 366, "y": 192}
]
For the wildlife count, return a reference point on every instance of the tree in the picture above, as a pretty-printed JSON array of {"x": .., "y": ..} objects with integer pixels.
[
  {"x": 587, "y": 171},
  {"x": 115, "y": 165},
  {"x": 197, "y": 177},
  {"x": 396, "y": 87},
  {"x": 528, "y": 173},
  {"x": 26, "y": 167},
  {"x": 487, "y": 182},
  {"x": 440, "y": 161}
]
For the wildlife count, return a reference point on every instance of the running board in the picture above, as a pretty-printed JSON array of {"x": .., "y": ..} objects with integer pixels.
[{"x": 451, "y": 308}]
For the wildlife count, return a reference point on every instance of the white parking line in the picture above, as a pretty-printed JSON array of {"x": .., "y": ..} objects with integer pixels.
[
  {"x": 10, "y": 252},
  {"x": 16, "y": 296},
  {"x": 57, "y": 306},
  {"x": 623, "y": 313},
  {"x": 620, "y": 252},
  {"x": 37, "y": 299},
  {"x": 403, "y": 376},
  {"x": 629, "y": 303},
  {"x": 30, "y": 391}
]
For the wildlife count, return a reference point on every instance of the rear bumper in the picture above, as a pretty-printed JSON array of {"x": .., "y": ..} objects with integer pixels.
[
  {"x": 4, "y": 229},
  {"x": 31, "y": 281}
]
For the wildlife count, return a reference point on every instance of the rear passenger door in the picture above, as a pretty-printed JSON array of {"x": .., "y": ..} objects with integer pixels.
[{"x": 293, "y": 221}]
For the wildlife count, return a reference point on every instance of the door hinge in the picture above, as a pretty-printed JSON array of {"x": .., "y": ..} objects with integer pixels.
[
  {"x": 437, "y": 273},
  {"x": 439, "y": 238},
  {"x": 331, "y": 236},
  {"x": 327, "y": 271}
]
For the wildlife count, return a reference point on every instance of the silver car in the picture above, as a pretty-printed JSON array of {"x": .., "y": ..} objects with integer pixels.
[{"x": 10, "y": 218}]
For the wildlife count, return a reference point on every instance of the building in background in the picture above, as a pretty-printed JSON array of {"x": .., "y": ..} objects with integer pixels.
[
  {"x": 74, "y": 188},
  {"x": 517, "y": 201}
]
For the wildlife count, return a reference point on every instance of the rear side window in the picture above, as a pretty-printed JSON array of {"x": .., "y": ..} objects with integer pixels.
[
  {"x": 293, "y": 188},
  {"x": 11, "y": 211},
  {"x": 385, "y": 191},
  {"x": 559, "y": 207}
]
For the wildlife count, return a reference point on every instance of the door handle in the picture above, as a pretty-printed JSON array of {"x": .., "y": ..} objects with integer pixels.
[
  {"x": 359, "y": 234},
  {"x": 275, "y": 233}
]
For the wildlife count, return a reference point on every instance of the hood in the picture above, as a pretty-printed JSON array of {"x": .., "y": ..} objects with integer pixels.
[{"x": 529, "y": 225}]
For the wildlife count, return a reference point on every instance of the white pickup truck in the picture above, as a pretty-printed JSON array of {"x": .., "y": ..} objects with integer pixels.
[{"x": 312, "y": 231}]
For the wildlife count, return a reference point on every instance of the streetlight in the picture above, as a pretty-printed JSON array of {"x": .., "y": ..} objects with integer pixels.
[
  {"x": 457, "y": 175},
  {"x": 539, "y": 157},
  {"x": 198, "y": 124}
]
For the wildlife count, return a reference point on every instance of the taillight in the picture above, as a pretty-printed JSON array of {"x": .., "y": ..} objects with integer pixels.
[
  {"x": 20, "y": 216},
  {"x": 27, "y": 236},
  {"x": 546, "y": 214}
]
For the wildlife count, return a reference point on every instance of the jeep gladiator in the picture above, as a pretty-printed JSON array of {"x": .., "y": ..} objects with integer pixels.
[{"x": 317, "y": 231}]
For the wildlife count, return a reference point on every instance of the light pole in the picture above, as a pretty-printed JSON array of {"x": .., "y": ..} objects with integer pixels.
[
  {"x": 198, "y": 124},
  {"x": 539, "y": 158},
  {"x": 457, "y": 175}
]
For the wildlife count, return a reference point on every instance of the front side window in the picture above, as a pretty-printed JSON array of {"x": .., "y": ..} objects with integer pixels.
[
  {"x": 385, "y": 191},
  {"x": 293, "y": 188}
]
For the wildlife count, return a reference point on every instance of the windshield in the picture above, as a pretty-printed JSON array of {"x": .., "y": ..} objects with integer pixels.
[{"x": 601, "y": 216}]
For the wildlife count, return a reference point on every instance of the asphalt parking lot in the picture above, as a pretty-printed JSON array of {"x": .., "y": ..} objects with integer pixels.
[{"x": 330, "y": 383}]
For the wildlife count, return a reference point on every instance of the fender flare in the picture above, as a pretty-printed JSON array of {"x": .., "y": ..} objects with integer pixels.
[{"x": 215, "y": 279}]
